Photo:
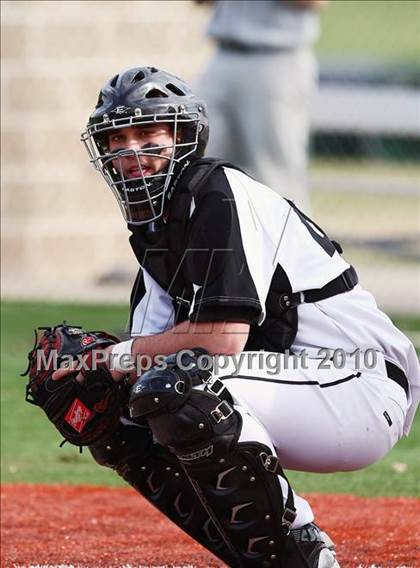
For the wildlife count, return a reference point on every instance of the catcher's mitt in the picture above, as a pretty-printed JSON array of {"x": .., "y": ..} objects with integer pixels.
[{"x": 83, "y": 412}]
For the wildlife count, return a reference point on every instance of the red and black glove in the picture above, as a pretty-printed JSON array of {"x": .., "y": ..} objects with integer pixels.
[{"x": 86, "y": 411}]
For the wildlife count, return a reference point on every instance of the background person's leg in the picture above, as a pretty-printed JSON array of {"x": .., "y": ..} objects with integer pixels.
[{"x": 272, "y": 116}]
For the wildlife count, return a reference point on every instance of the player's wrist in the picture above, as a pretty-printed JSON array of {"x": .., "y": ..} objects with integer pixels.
[{"x": 121, "y": 358}]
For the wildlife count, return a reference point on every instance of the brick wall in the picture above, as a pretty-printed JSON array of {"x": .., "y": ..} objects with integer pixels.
[{"x": 62, "y": 232}]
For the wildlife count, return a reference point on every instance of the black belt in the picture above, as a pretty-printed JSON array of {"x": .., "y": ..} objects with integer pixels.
[
  {"x": 237, "y": 47},
  {"x": 279, "y": 302},
  {"x": 395, "y": 374}
]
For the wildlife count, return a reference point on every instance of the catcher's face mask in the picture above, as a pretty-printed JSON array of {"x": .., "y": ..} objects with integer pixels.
[{"x": 138, "y": 156}]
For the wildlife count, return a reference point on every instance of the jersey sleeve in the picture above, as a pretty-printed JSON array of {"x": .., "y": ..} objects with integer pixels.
[
  {"x": 216, "y": 263},
  {"x": 152, "y": 308}
]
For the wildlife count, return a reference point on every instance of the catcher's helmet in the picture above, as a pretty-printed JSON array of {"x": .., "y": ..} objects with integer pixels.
[{"x": 146, "y": 95}]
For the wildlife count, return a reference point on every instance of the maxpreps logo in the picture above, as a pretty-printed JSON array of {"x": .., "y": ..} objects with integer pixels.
[{"x": 78, "y": 415}]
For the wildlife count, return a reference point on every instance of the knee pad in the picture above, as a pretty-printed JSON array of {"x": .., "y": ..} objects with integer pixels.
[{"x": 192, "y": 419}]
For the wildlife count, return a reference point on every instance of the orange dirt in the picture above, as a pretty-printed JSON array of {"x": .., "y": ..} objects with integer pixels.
[{"x": 113, "y": 527}]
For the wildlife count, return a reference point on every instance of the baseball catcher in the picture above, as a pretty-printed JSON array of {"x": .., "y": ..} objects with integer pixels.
[
  {"x": 88, "y": 407},
  {"x": 267, "y": 351}
]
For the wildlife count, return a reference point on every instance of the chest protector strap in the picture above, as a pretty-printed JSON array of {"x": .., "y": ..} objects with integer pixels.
[{"x": 281, "y": 302}]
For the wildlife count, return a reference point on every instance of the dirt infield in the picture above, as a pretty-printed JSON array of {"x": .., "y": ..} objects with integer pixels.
[{"x": 114, "y": 527}]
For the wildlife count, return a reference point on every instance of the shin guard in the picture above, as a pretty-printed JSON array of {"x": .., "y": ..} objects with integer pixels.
[
  {"x": 157, "y": 475},
  {"x": 236, "y": 483}
]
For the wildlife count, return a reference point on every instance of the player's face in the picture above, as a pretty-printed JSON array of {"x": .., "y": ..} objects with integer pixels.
[{"x": 140, "y": 138}]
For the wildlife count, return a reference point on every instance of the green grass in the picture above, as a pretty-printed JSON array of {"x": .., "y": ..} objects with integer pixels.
[
  {"x": 30, "y": 450},
  {"x": 377, "y": 29}
]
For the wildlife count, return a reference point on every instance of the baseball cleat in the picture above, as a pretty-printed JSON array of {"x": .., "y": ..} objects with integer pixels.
[{"x": 316, "y": 546}]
